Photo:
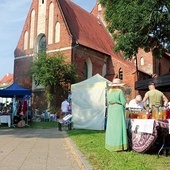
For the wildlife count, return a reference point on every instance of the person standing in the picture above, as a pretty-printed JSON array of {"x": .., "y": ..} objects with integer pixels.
[
  {"x": 69, "y": 96},
  {"x": 116, "y": 133},
  {"x": 155, "y": 97},
  {"x": 64, "y": 107}
]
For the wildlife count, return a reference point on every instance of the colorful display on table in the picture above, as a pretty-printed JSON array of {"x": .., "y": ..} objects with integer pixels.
[{"x": 158, "y": 113}]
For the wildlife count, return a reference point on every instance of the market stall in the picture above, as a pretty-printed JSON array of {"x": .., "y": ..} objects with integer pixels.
[
  {"x": 89, "y": 103},
  {"x": 144, "y": 133},
  {"x": 15, "y": 91}
]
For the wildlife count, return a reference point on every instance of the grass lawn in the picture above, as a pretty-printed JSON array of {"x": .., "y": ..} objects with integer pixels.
[{"x": 91, "y": 144}]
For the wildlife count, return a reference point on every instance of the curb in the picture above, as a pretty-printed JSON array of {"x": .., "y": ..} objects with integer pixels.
[{"x": 81, "y": 157}]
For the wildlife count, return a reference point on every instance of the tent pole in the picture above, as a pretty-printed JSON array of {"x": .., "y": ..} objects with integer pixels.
[
  {"x": 13, "y": 111},
  {"x": 27, "y": 118}
]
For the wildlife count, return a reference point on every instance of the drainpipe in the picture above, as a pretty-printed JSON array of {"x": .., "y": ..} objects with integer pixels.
[{"x": 136, "y": 70}]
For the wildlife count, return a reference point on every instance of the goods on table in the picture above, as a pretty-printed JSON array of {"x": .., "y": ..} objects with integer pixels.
[
  {"x": 160, "y": 113},
  {"x": 134, "y": 113}
]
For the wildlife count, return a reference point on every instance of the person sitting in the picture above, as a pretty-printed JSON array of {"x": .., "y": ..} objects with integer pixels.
[
  {"x": 19, "y": 119},
  {"x": 136, "y": 103},
  {"x": 21, "y": 123}
]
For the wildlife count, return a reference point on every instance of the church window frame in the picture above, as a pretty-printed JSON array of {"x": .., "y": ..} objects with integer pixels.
[
  {"x": 142, "y": 61},
  {"x": 57, "y": 32},
  {"x": 120, "y": 73}
]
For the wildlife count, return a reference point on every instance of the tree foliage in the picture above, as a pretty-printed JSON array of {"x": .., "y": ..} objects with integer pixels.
[
  {"x": 53, "y": 72},
  {"x": 138, "y": 24}
]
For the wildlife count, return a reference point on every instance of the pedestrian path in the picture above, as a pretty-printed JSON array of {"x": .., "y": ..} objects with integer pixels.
[{"x": 39, "y": 149}]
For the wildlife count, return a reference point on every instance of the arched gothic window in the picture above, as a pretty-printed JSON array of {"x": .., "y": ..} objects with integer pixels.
[
  {"x": 32, "y": 28},
  {"x": 99, "y": 7},
  {"x": 85, "y": 71},
  {"x": 104, "y": 70},
  {"x": 39, "y": 46},
  {"x": 121, "y": 74},
  {"x": 42, "y": 44},
  {"x": 57, "y": 32},
  {"x": 142, "y": 61},
  {"x": 26, "y": 40},
  {"x": 51, "y": 24}
]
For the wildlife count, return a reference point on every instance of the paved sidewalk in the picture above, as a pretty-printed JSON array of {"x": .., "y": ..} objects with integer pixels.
[{"x": 39, "y": 149}]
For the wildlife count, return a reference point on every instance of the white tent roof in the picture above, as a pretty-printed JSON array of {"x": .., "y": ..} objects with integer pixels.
[{"x": 89, "y": 82}]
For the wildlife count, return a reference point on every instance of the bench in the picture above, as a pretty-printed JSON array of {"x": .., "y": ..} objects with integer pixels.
[{"x": 66, "y": 121}]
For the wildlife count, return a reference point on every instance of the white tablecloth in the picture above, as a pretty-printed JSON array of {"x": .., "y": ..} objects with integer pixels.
[
  {"x": 141, "y": 125},
  {"x": 5, "y": 119}
]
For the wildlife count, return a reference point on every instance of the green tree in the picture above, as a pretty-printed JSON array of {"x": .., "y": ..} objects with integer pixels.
[
  {"x": 53, "y": 72},
  {"x": 138, "y": 24}
]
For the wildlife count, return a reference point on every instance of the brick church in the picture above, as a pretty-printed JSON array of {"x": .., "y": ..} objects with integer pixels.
[{"x": 61, "y": 25}]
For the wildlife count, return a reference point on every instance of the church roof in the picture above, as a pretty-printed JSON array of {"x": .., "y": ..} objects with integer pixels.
[
  {"x": 89, "y": 31},
  {"x": 85, "y": 28}
]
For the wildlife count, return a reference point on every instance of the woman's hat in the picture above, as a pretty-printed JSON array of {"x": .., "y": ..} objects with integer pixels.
[{"x": 116, "y": 82}]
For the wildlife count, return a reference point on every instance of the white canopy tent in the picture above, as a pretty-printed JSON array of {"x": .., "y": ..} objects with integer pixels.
[{"x": 89, "y": 103}]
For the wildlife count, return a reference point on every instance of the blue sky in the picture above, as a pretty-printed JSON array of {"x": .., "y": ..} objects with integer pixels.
[{"x": 12, "y": 17}]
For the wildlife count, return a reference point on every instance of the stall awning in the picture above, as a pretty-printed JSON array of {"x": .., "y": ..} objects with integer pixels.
[{"x": 15, "y": 90}]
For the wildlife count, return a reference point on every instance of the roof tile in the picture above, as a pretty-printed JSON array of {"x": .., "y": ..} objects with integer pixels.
[
  {"x": 85, "y": 28},
  {"x": 6, "y": 81}
]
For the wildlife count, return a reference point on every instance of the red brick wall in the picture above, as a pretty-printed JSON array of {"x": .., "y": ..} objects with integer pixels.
[
  {"x": 162, "y": 66},
  {"x": 148, "y": 62},
  {"x": 80, "y": 54},
  {"x": 114, "y": 64},
  {"x": 99, "y": 14},
  {"x": 39, "y": 100},
  {"x": 22, "y": 72}
]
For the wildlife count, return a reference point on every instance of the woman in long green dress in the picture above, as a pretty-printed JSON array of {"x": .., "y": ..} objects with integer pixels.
[{"x": 116, "y": 133}]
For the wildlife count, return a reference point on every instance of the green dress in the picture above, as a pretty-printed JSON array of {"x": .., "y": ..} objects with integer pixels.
[{"x": 116, "y": 133}]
